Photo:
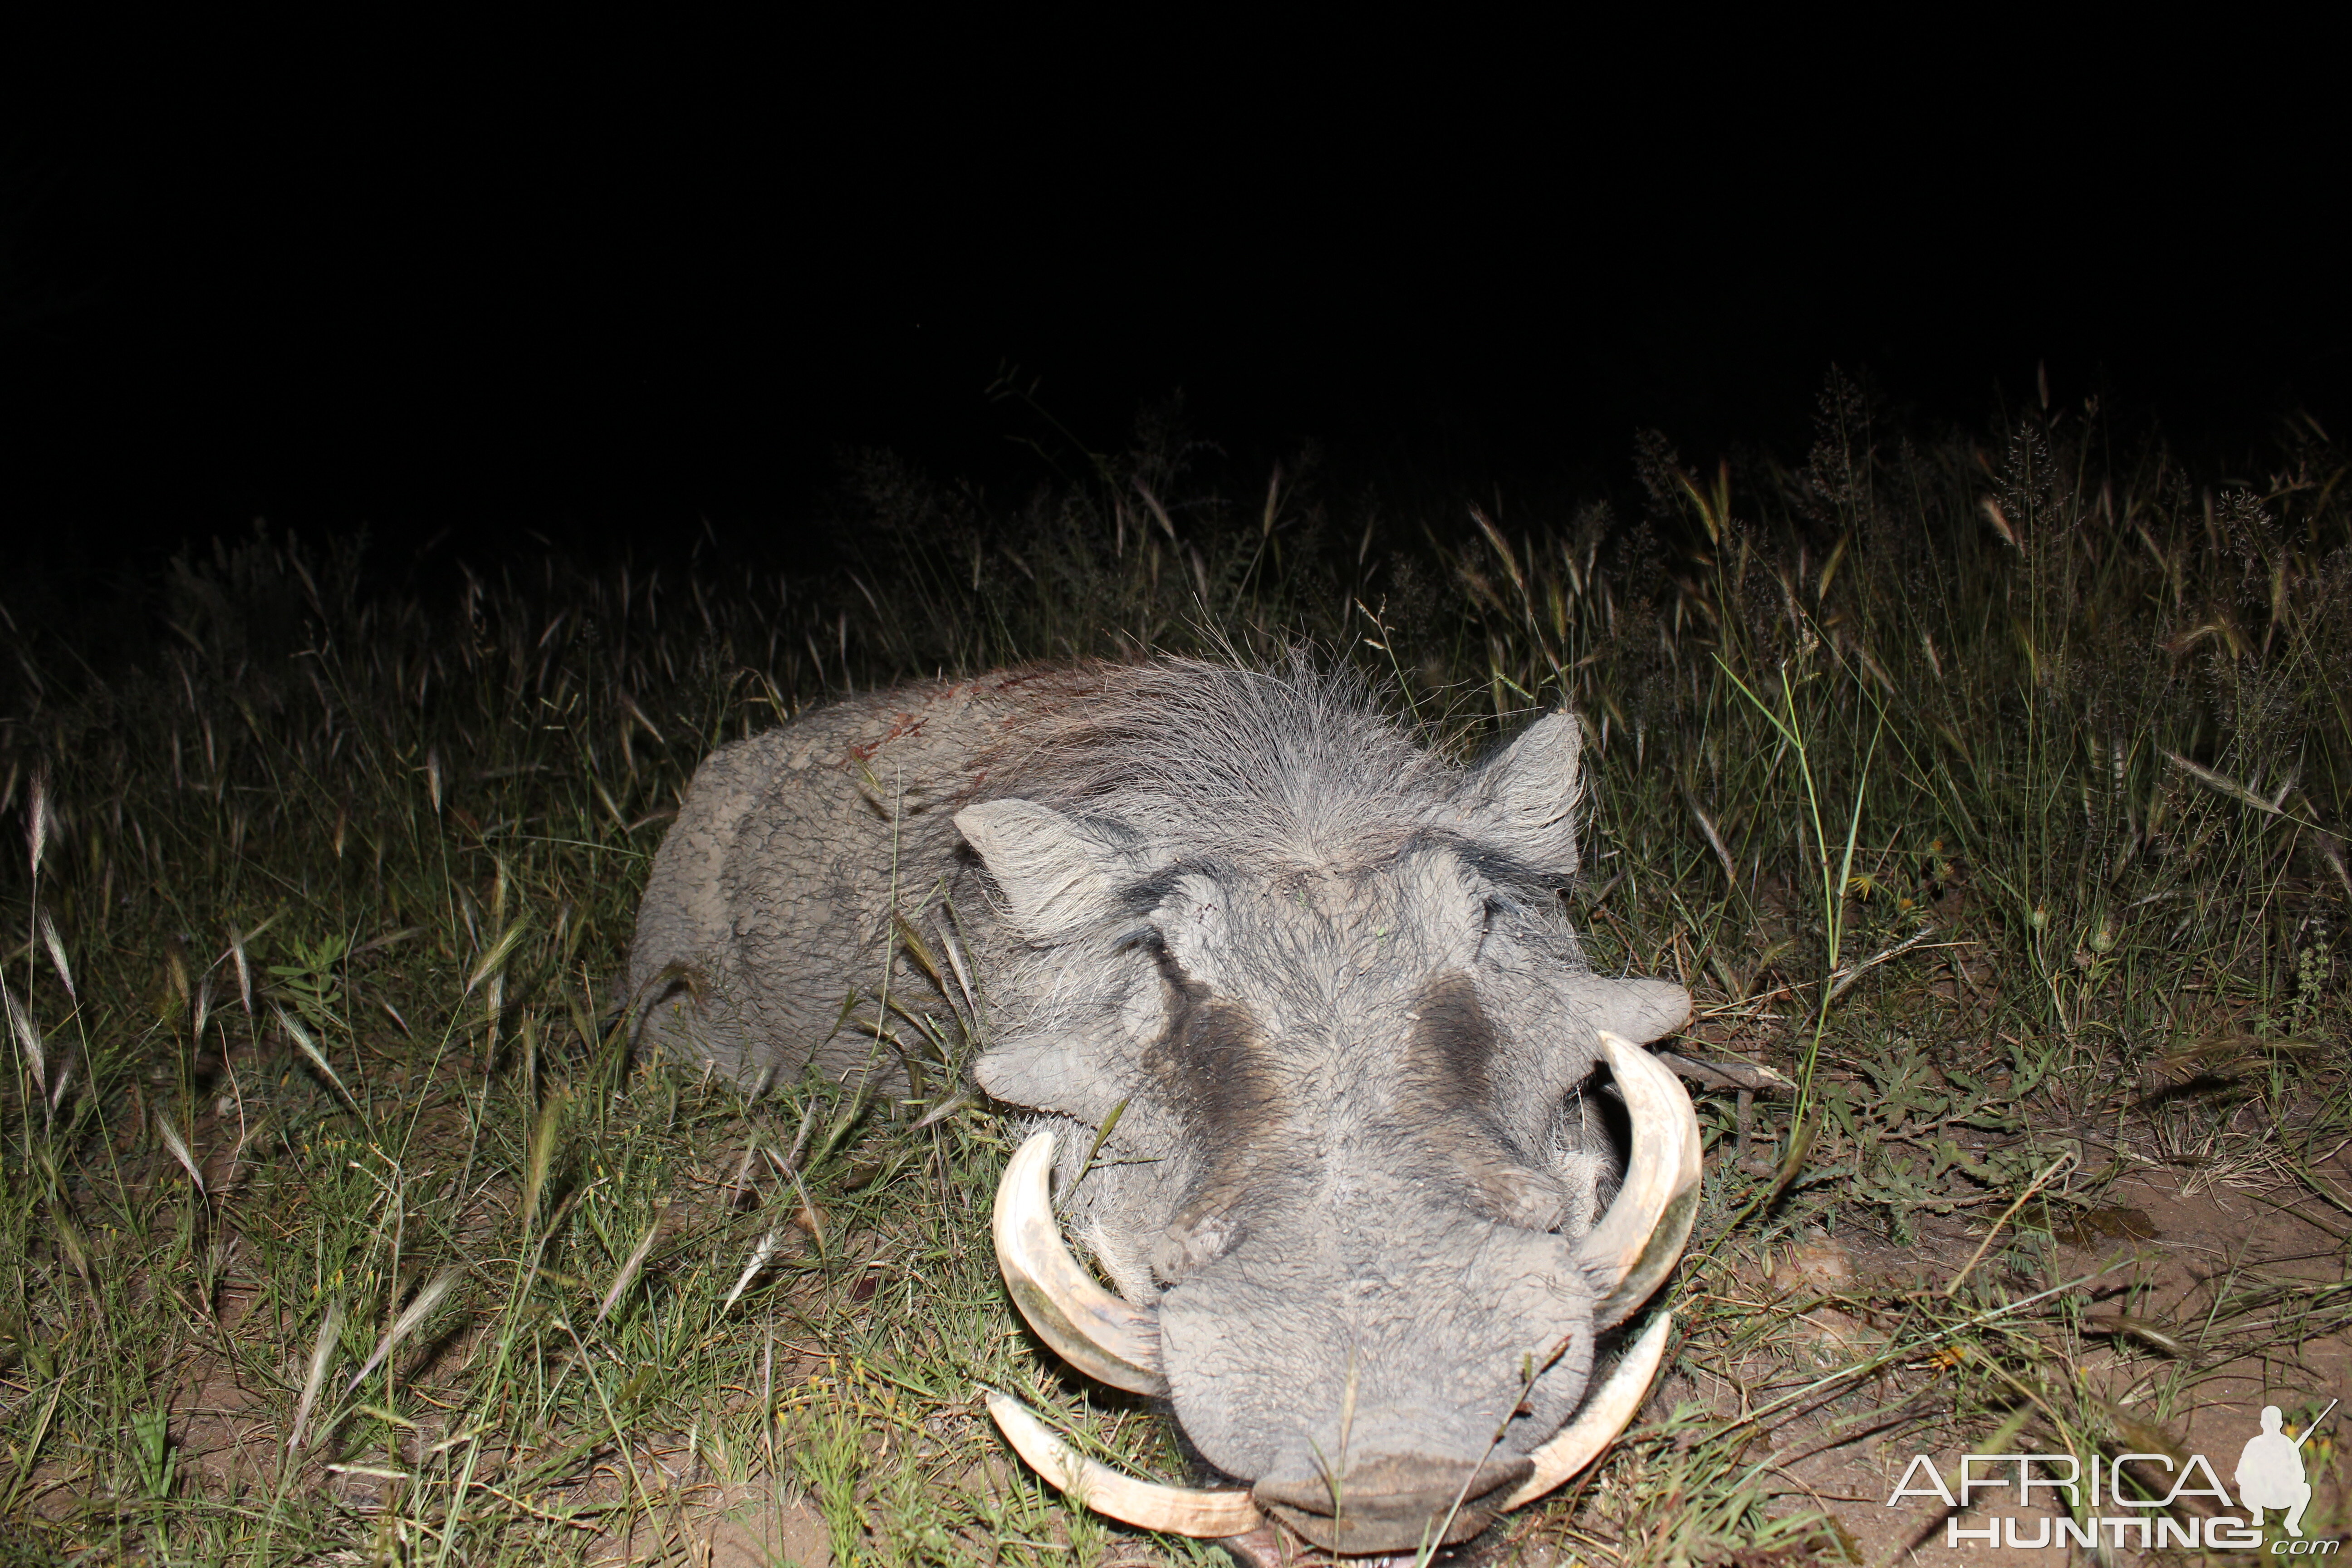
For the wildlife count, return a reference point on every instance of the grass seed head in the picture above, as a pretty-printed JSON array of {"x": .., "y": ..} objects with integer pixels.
[
  {"x": 36, "y": 822},
  {"x": 628, "y": 1271},
  {"x": 542, "y": 1158},
  {"x": 406, "y": 1323},
  {"x": 244, "y": 969},
  {"x": 28, "y": 1040},
  {"x": 309, "y": 1047},
  {"x": 179, "y": 1147},
  {"x": 758, "y": 1260},
  {"x": 56, "y": 949}
]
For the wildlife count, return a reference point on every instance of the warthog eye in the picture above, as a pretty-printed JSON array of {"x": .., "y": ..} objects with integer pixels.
[
  {"x": 1501, "y": 917},
  {"x": 1153, "y": 943}
]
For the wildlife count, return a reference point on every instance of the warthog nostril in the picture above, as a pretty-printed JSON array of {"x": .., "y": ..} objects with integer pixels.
[{"x": 1392, "y": 1502}]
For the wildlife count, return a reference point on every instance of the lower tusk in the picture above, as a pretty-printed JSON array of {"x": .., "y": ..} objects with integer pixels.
[
  {"x": 1179, "y": 1511},
  {"x": 1638, "y": 1242},
  {"x": 1603, "y": 1416},
  {"x": 1094, "y": 1331}
]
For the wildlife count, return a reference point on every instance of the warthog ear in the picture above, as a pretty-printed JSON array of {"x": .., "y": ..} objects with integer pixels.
[
  {"x": 1523, "y": 800},
  {"x": 1055, "y": 875}
]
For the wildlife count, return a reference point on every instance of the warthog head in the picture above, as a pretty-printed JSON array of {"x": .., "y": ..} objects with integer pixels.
[{"x": 1353, "y": 1197}]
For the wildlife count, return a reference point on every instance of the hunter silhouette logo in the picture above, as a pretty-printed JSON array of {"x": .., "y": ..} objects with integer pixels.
[{"x": 2269, "y": 1475}]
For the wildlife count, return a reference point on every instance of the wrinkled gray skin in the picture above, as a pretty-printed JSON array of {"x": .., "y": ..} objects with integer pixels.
[{"x": 1330, "y": 976}]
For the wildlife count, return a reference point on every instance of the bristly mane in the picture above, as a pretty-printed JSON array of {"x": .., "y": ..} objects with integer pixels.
[{"x": 1293, "y": 768}]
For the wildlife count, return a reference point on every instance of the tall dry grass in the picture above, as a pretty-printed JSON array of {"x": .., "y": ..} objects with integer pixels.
[{"x": 1993, "y": 779}]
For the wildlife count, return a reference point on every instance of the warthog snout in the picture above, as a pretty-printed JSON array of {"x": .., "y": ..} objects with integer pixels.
[
  {"x": 1361, "y": 1469},
  {"x": 1393, "y": 1502}
]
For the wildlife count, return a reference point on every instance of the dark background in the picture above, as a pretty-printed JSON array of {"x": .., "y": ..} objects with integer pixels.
[{"x": 603, "y": 292}]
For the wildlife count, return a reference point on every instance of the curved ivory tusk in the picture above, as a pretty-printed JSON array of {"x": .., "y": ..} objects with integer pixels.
[
  {"x": 1640, "y": 1239},
  {"x": 1603, "y": 1416},
  {"x": 1179, "y": 1511},
  {"x": 1094, "y": 1331}
]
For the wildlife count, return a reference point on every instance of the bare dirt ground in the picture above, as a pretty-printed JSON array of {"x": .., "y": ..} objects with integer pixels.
[{"x": 2171, "y": 1244}]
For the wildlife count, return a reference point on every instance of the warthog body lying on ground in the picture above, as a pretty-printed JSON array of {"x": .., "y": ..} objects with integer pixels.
[{"x": 1353, "y": 1204}]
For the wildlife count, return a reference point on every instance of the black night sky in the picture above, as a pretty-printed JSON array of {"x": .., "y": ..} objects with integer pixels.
[{"x": 606, "y": 292}]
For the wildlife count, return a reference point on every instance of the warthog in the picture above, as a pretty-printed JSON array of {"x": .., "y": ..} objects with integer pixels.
[{"x": 1353, "y": 1203}]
